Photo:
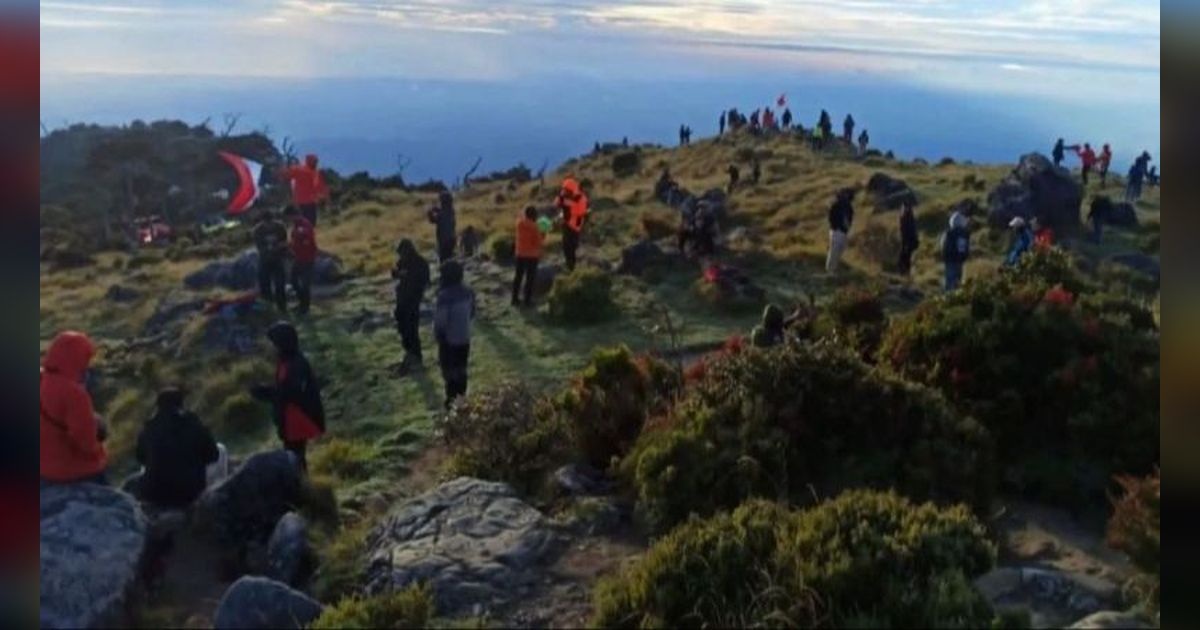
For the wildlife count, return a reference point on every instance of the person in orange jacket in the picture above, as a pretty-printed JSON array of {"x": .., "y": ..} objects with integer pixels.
[
  {"x": 72, "y": 435},
  {"x": 1087, "y": 159},
  {"x": 308, "y": 186},
  {"x": 1103, "y": 161},
  {"x": 574, "y": 205},
  {"x": 529, "y": 252}
]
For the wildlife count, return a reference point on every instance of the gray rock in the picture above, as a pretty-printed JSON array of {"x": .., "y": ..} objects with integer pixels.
[
  {"x": 472, "y": 540},
  {"x": 581, "y": 479},
  {"x": 290, "y": 559},
  {"x": 590, "y": 516},
  {"x": 1123, "y": 215},
  {"x": 245, "y": 508},
  {"x": 640, "y": 256},
  {"x": 545, "y": 278},
  {"x": 1053, "y": 597},
  {"x": 258, "y": 602},
  {"x": 171, "y": 309},
  {"x": 93, "y": 539},
  {"x": 890, "y": 193},
  {"x": 241, "y": 273},
  {"x": 1112, "y": 619},
  {"x": 1036, "y": 188}
]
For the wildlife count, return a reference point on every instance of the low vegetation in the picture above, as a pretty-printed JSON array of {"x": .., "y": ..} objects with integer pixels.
[
  {"x": 1135, "y": 528},
  {"x": 408, "y": 608}
]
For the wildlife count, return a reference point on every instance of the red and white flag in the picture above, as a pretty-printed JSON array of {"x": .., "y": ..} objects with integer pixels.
[
  {"x": 248, "y": 172},
  {"x": 781, "y": 101}
]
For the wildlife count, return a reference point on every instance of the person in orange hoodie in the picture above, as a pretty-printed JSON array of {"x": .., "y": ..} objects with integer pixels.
[
  {"x": 308, "y": 186},
  {"x": 1103, "y": 161},
  {"x": 72, "y": 435},
  {"x": 1087, "y": 159},
  {"x": 529, "y": 252},
  {"x": 574, "y": 205}
]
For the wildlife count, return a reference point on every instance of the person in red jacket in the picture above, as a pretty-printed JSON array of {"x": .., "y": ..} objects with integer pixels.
[
  {"x": 299, "y": 414},
  {"x": 303, "y": 244},
  {"x": 1103, "y": 162},
  {"x": 1087, "y": 159},
  {"x": 71, "y": 432},
  {"x": 308, "y": 186}
]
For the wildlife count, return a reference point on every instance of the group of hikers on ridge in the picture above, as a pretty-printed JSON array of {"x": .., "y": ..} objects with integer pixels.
[
  {"x": 762, "y": 121},
  {"x": 1139, "y": 172}
]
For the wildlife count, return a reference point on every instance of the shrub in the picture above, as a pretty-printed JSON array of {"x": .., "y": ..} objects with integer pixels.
[
  {"x": 1067, "y": 384},
  {"x": 863, "y": 557},
  {"x": 1135, "y": 530},
  {"x": 344, "y": 459},
  {"x": 502, "y": 248},
  {"x": 856, "y": 317},
  {"x": 786, "y": 421},
  {"x": 580, "y": 297},
  {"x": 144, "y": 258},
  {"x": 411, "y": 607},
  {"x": 658, "y": 224},
  {"x": 505, "y": 433},
  {"x": 240, "y": 414},
  {"x": 340, "y": 571},
  {"x": 626, "y": 163},
  {"x": 608, "y": 402},
  {"x": 879, "y": 244}
]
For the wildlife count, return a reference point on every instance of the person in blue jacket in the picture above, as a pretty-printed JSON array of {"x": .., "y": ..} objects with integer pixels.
[{"x": 1022, "y": 241}]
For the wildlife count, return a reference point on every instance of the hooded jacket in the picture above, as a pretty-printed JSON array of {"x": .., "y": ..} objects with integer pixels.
[
  {"x": 299, "y": 412},
  {"x": 176, "y": 450},
  {"x": 841, "y": 214},
  {"x": 69, "y": 431},
  {"x": 308, "y": 185},
  {"x": 956, "y": 242},
  {"x": 573, "y": 203},
  {"x": 455, "y": 308},
  {"x": 412, "y": 277}
]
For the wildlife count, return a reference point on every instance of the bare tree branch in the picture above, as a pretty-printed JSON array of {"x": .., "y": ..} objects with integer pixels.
[
  {"x": 288, "y": 149},
  {"x": 231, "y": 120},
  {"x": 466, "y": 178},
  {"x": 45, "y": 129},
  {"x": 402, "y": 163},
  {"x": 541, "y": 173}
]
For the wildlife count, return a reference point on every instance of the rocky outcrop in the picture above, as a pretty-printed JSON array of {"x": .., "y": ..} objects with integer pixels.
[
  {"x": 474, "y": 541},
  {"x": 241, "y": 273},
  {"x": 93, "y": 539},
  {"x": 1054, "y": 598},
  {"x": 244, "y": 509},
  {"x": 890, "y": 193},
  {"x": 1036, "y": 188},
  {"x": 290, "y": 559},
  {"x": 258, "y": 602},
  {"x": 1113, "y": 619},
  {"x": 640, "y": 256}
]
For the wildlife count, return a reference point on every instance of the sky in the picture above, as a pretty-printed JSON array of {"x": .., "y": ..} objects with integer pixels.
[{"x": 1037, "y": 57}]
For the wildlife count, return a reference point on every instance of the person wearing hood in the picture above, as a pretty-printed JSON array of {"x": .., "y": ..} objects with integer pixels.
[
  {"x": 175, "y": 449},
  {"x": 771, "y": 331},
  {"x": 304, "y": 258},
  {"x": 864, "y": 139},
  {"x": 909, "y": 239},
  {"x": 1021, "y": 243},
  {"x": 848, "y": 129},
  {"x": 1137, "y": 173},
  {"x": 529, "y": 239},
  {"x": 271, "y": 241},
  {"x": 841, "y": 216},
  {"x": 299, "y": 414},
  {"x": 452, "y": 317},
  {"x": 308, "y": 186},
  {"x": 786, "y": 119},
  {"x": 1059, "y": 152},
  {"x": 721, "y": 124},
  {"x": 441, "y": 215},
  {"x": 71, "y": 433},
  {"x": 956, "y": 248},
  {"x": 573, "y": 204},
  {"x": 411, "y": 274}
]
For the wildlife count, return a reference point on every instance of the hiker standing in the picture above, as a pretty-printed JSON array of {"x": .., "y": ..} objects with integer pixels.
[
  {"x": 848, "y": 129},
  {"x": 1097, "y": 215},
  {"x": 175, "y": 448},
  {"x": 826, "y": 125},
  {"x": 574, "y": 206},
  {"x": 271, "y": 241},
  {"x": 908, "y": 238},
  {"x": 1087, "y": 159},
  {"x": 956, "y": 248},
  {"x": 841, "y": 216},
  {"x": 1103, "y": 161},
  {"x": 442, "y": 216},
  {"x": 411, "y": 273},
  {"x": 787, "y": 118},
  {"x": 1137, "y": 173},
  {"x": 863, "y": 140},
  {"x": 734, "y": 174},
  {"x": 529, "y": 252},
  {"x": 1058, "y": 153},
  {"x": 682, "y": 135},
  {"x": 71, "y": 433},
  {"x": 452, "y": 327},
  {"x": 308, "y": 186},
  {"x": 299, "y": 414},
  {"x": 304, "y": 258},
  {"x": 1022, "y": 241},
  {"x": 721, "y": 124}
]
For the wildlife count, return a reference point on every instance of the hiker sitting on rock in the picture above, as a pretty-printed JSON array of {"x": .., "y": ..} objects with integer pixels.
[
  {"x": 175, "y": 449},
  {"x": 452, "y": 327},
  {"x": 299, "y": 415},
  {"x": 71, "y": 433},
  {"x": 411, "y": 273}
]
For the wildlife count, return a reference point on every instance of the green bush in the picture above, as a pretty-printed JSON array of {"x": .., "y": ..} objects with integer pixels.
[
  {"x": 626, "y": 163},
  {"x": 856, "y": 317},
  {"x": 1066, "y": 383},
  {"x": 608, "y": 402},
  {"x": 344, "y": 459},
  {"x": 502, "y": 248},
  {"x": 340, "y": 572},
  {"x": 241, "y": 414},
  {"x": 580, "y": 297},
  {"x": 505, "y": 433},
  {"x": 789, "y": 421},
  {"x": 1135, "y": 528},
  {"x": 408, "y": 608},
  {"x": 865, "y": 558},
  {"x": 144, "y": 258}
]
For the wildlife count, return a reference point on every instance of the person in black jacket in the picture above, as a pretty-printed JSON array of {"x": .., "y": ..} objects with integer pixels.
[
  {"x": 908, "y": 238},
  {"x": 442, "y": 216},
  {"x": 841, "y": 216},
  {"x": 412, "y": 279},
  {"x": 175, "y": 449},
  {"x": 295, "y": 397},
  {"x": 271, "y": 241},
  {"x": 1057, "y": 153}
]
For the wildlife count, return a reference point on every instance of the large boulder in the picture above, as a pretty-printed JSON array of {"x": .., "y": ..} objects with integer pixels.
[
  {"x": 258, "y": 602},
  {"x": 290, "y": 559},
  {"x": 544, "y": 279},
  {"x": 640, "y": 256},
  {"x": 1054, "y": 598},
  {"x": 93, "y": 539},
  {"x": 241, "y": 273},
  {"x": 1113, "y": 619},
  {"x": 243, "y": 510},
  {"x": 474, "y": 541},
  {"x": 1123, "y": 215},
  {"x": 890, "y": 193},
  {"x": 1036, "y": 188}
]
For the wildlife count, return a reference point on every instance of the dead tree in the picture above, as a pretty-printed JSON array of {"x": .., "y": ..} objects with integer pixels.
[
  {"x": 231, "y": 120},
  {"x": 466, "y": 178},
  {"x": 288, "y": 149},
  {"x": 541, "y": 172}
]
